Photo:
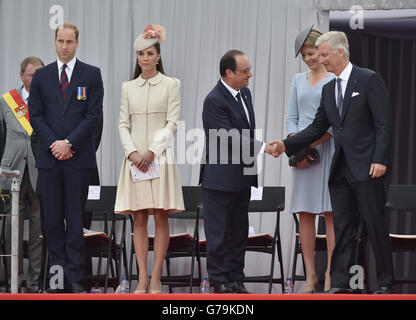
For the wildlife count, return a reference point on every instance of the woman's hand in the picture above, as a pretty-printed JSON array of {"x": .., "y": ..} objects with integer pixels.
[
  {"x": 304, "y": 163},
  {"x": 147, "y": 158},
  {"x": 135, "y": 158}
]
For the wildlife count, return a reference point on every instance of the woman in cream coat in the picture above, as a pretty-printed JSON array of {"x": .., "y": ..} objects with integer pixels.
[{"x": 149, "y": 111}]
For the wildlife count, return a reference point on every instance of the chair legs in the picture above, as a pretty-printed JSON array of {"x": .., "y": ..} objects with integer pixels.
[{"x": 3, "y": 251}]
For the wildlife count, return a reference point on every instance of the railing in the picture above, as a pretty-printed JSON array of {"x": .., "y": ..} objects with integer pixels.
[{"x": 15, "y": 189}]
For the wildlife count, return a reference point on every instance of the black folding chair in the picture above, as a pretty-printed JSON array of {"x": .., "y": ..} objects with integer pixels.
[
  {"x": 273, "y": 200},
  {"x": 320, "y": 246},
  {"x": 401, "y": 200},
  {"x": 180, "y": 245}
]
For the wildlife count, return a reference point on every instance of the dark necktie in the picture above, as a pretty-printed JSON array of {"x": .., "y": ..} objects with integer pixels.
[
  {"x": 238, "y": 96},
  {"x": 340, "y": 98},
  {"x": 63, "y": 81}
]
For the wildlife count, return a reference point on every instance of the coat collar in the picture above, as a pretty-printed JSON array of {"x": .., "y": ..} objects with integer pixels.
[{"x": 152, "y": 81}]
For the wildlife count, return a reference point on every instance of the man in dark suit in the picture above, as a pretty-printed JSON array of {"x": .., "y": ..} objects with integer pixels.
[
  {"x": 229, "y": 171},
  {"x": 17, "y": 154},
  {"x": 65, "y": 103},
  {"x": 356, "y": 105}
]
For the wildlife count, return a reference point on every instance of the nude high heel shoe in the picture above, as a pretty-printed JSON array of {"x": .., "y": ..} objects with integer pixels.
[
  {"x": 159, "y": 290},
  {"x": 141, "y": 291},
  {"x": 311, "y": 289}
]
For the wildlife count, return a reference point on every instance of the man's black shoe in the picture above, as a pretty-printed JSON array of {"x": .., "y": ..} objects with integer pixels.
[
  {"x": 238, "y": 287},
  {"x": 339, "y": 291},
  {"x": 76, "y": 287},
  {"x": 383, "y": 290},
  {"x": 222, "y": 287},
  {"x": 50, "y": 290}
]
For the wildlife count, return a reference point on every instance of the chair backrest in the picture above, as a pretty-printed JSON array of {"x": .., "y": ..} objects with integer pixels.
[
  {"x": 273, "y": 200},
  {"x": 402, "y": 197},
  {"x": 192, "y": 197},
  {"x": 105, "y": 205}
]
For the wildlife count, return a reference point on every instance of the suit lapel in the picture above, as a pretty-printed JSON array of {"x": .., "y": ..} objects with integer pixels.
[
  {"x": 352, "y": 82},
  {"x": 250, "y": 109},
  {"x": 332, "y": 100},
  {"x": 55, "y": 75}
]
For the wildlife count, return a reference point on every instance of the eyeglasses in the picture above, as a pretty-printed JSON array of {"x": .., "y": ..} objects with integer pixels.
[{"x": 245, "y": 71}]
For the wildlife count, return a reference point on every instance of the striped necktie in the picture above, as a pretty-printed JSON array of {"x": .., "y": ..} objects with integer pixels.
[
  {"x": 340, "y": 98},
  {"x": 63, "y": 81}
]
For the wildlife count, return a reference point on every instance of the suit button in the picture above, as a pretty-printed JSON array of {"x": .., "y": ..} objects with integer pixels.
[{"x": 341, "y": 128}]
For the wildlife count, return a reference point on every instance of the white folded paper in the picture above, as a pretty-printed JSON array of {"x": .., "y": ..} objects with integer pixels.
[
  {"x": 256, "y": 193},
  {"x": 152, "y": 173},
  {"x": 94, "y": 192}
]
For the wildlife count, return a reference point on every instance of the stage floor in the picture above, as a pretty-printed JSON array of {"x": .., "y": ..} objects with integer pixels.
[{"x": 195, "y": 297}]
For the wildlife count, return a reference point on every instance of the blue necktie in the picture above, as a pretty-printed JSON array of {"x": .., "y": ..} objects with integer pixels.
[{"x": 340, "y": 98}]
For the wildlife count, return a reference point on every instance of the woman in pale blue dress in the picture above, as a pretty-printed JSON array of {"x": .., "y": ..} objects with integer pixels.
[{"x": 310, "y": 196}]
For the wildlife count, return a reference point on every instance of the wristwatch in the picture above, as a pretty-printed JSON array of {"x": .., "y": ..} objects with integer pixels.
[{"x": 69, "y": 144}]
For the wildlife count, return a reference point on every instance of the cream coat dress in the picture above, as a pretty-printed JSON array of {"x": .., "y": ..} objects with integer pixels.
[{"x": 149, "y": 111}]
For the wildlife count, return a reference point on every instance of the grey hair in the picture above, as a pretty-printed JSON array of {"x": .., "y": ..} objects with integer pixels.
[{"x": 336, "y": 40}]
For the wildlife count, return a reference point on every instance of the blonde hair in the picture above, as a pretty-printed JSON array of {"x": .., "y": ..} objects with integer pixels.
[
  {"x": 67, "y": 25},
  {"x": 313, "y": 35},
  {"x": 336, "y": 40}
]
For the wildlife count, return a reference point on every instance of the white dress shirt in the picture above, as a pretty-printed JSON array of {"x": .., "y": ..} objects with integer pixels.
[
  {"x": 234, "y": 93},
  {"x": 69, "y": 69},
  {"x": 25, "y": 95}
]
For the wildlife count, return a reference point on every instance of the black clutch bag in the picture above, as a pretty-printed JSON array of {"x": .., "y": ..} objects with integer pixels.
[{"x": 302, "y": 154}]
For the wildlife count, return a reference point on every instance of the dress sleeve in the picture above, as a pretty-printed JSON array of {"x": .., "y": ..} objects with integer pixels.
[
  {"x": 124, "y": 123},
  {"x": 163, "y": 137},
  {"x": 292, "y": 117}
]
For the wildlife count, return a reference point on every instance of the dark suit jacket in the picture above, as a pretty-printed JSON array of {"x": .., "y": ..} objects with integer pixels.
[
  {"x": 76, "y": 120},
  {"x": 363, "y": 130},
  {"x": 222, "y": 111}
]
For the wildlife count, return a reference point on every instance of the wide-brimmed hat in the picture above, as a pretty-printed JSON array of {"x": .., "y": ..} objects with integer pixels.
[
  {"x": 301, "y": 38},
  {"x": 152, "y": 34}
]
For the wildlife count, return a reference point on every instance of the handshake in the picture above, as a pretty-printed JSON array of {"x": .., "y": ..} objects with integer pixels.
[{"x": 275, "y": 148}]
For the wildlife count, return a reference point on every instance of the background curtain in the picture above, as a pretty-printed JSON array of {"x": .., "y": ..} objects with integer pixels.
[{"x": 199, "y": 32}]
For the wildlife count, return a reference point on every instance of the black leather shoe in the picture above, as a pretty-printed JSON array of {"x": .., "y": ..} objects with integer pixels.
[
  {"x": 238, "y": 287},
  {"x": 339, "y": 291},
  {"x": 76, "y": 287},
  {"x": 55, "y": 290},
  {"x": 383, "y": 290},
  {"x": 222, "y": 287}
]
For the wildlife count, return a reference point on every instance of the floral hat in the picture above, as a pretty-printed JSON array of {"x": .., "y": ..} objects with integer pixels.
[{"x": 152, "y": 34}]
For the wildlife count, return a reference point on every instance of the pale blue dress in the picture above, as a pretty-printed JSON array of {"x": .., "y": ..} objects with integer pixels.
[{"x": 310, "y": 185}]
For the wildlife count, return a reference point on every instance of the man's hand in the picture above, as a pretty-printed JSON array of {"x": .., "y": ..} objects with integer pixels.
[
  {"x": 147, "y": 158},
  {"x": 377, "y": 170},
  {"x": 61, "y": 150},
  {"x": 275, "y": 148}
]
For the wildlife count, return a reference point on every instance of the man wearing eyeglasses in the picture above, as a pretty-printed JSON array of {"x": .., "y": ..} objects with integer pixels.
[{"x": 229, "y": 171}]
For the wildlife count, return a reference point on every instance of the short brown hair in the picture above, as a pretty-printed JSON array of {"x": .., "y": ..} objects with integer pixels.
[
  {"x": 228, "y": 61},
  {"x": 67, "y": 25},
  {"x": 30, "y": 60}
]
